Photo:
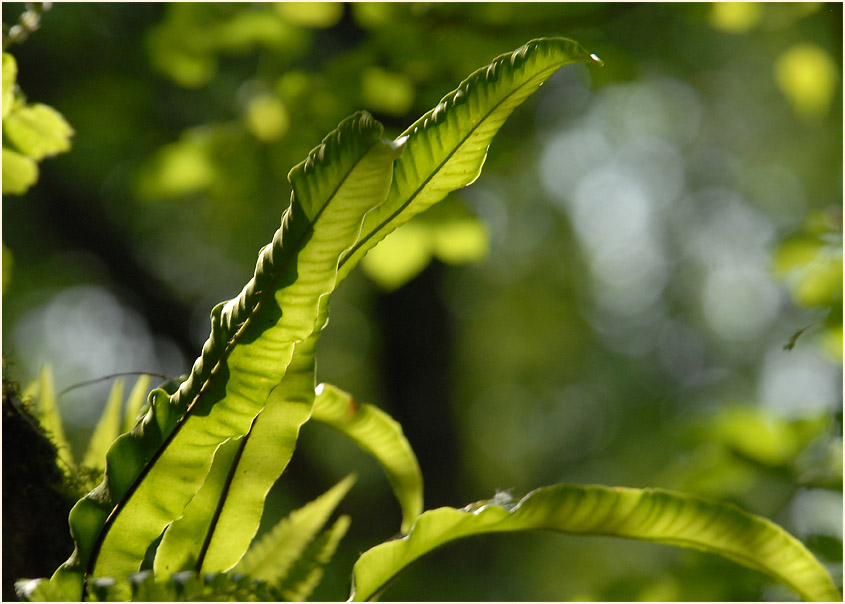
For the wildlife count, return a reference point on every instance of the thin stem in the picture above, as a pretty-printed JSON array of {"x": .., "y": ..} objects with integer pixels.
[{"x": 112, "y": 376}]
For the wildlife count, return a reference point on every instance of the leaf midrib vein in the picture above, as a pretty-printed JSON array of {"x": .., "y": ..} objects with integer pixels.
[
  {"x": 441, "y": 165},
  {"x": 233, "y": 341}
]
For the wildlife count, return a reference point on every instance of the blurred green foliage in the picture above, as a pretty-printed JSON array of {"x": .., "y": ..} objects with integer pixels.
[
  {"x": 810, "y": 261},
  {"x": 33, "y": 132},
  {"x": 656, "y": 231}
]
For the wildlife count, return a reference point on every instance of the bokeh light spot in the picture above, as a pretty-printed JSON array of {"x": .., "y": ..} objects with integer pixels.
[
  {"x": 807, "y": 76},
  {"x": 736, "y": 17}
]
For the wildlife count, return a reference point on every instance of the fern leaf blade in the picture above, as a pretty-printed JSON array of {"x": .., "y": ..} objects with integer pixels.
[
  {"x": 651, "y": 515},
  {"x": 272, "y": 557},
  {"x": 158, "y": 467},
  {"x": 381, "y": 436},
  {"x": 446, "y": 147}
]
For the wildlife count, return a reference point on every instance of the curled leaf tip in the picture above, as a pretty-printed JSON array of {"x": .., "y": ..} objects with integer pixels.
[{"x": 596, "y": 58}]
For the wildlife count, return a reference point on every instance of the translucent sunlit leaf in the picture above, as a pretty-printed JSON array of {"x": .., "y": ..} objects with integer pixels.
[
  {"x": 156, "y": 469},
  {"x": 10, "y": 75},
  {"x": 107, "y": 429},
  {"x": 382, "y": 437},
  {"x": 19, "y": 172},
  {"x": 37, "y": 131},
  {"x": 273, "y": 555},
  {"x": 644, "y": 514}
]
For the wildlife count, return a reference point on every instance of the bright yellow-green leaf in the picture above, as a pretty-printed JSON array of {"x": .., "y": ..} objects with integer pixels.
[
  {"x": 19, "y": 172},
  {"x": 10, "y": 76},
  {"x": 381, "y": 436},
  {"x": 306, "y": 572},
  {"x": 185, "y": 538},
  {"x": 161, "y": 464},
  {"x": 335, "y": 186},
  {"x": 108, "y": 429},
  {"x": 386, "y": 92},
  {"x": 645, "y": 514},
  {"x": 399, "y": 257},
  {"x": 135, "y": 401},
  {"x": 267, "y": 118},
  {"x": 179, "y": 168},
  {"x": 265, "y": 453},
  {"x": 446, "y": 147},
  {"x": 271, "y": 557},
  {"x": 311, "y": 14},
  {"x": 37, "y": 131},
  {"x": 48, "y": 413}
]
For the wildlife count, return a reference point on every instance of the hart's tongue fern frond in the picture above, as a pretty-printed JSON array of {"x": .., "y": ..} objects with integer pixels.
[{"x": 154, "y": 471}]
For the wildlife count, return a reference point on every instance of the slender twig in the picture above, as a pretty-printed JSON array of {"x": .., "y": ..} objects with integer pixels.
[{"x": 112, "y": 376}]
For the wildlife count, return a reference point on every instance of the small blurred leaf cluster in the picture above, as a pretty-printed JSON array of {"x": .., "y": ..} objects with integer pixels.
[
  {"x": 810, "y": 262},
  {"x": 739, "y": 449},
  {"x": 31, "y": 132},
  {"x": 448, "y": 232}
]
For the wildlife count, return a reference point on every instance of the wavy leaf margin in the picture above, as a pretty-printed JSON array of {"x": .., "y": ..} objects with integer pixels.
[
  {"x": 251, "y": 316},
  {"x": 379, "y": 435},
  {"x": 445, "y": 149},
  {"x": 652, "y": 515}
]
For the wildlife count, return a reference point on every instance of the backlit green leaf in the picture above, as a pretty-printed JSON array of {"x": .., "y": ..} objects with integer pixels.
[
  {"x": 160, "y": 465},
  {"x": 10, "y": 76},
  {"x": 135, "y": 401},
  {"x": 266, "y": 452},
  {"x": 272, "y": 556},
  {"x": 215, "y": 535},
  {"x": 185, "y": 538},
  {"x": 107, "y": 430},
  {"x": 37, "y": 131},
  {"x": 381, "y": 436},
  {"x": 19, "y": 172},
  {"x": 307, "y": 571},
  {"x": 644, "y": 514},
  {"x": 48, "y": 414},
  {"x": 447, "y": 146}
]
